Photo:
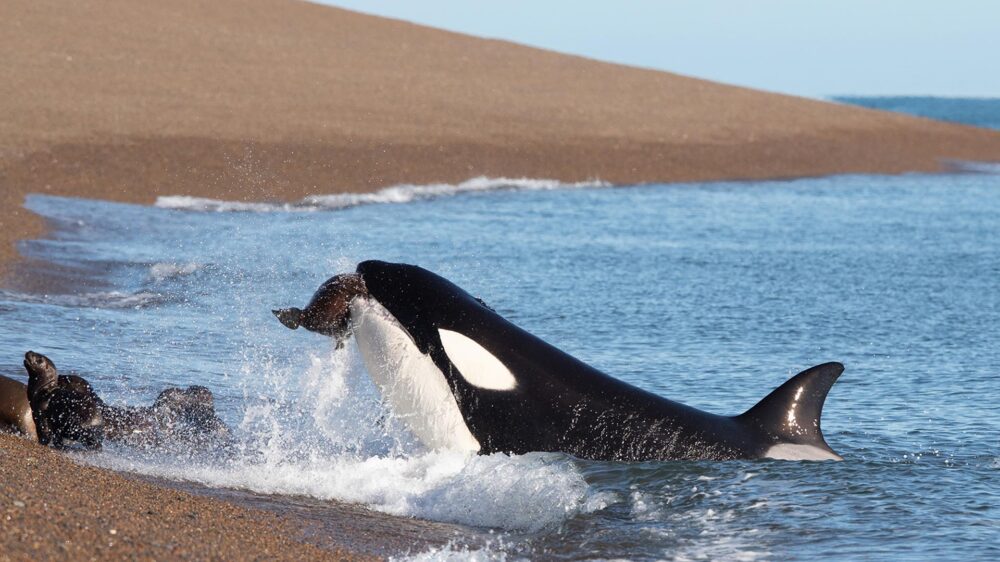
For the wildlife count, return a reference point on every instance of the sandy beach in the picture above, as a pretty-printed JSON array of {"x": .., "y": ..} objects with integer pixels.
[
  {"x": 278, "y": 99},
  {"x": 53, "y": 508}
]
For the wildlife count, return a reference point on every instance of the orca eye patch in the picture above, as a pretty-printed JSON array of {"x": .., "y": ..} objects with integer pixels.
[{"x": 476, "y": 365}]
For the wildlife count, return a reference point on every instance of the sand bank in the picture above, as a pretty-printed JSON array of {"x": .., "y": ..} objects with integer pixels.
[
  {"x": 276, "y": 99},
  {"x": 55, "y": 509}
]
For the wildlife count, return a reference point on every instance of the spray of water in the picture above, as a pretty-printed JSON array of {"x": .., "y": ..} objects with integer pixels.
[{"x": 321, "y": 431}]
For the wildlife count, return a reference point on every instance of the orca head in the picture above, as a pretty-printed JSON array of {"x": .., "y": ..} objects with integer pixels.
[
  {"x": 439, "y": 315},
  {"x": 422, "y": 341},
  {"x": 474, "y": 363}
]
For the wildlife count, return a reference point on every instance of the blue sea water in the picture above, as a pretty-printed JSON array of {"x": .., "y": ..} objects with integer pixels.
[
  {"x": 711, "y": 294},
  {"x": 981, "y": 112}
]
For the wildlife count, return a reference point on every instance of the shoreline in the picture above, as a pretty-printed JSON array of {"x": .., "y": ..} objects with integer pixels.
[
  {"x": 54, "y": 508},
  {"x": 138, "y": 170}
]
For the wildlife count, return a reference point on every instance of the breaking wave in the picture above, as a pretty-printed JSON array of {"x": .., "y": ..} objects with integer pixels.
[
  {"x": 396, "y": 194},
  {"x": 334, "y": 442},
  {"x": 525, "y": 493},
  {"x": 455, "y": 552}
]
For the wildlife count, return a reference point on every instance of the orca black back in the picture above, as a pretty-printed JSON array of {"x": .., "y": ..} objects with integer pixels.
[{"x": 559, "y": 403}]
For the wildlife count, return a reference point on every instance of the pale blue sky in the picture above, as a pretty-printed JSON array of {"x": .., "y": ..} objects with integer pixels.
[{"x": 812, "y": 48}]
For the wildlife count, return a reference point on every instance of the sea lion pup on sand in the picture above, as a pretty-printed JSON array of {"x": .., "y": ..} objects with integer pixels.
[
  {"x": 177, "y": 416},
  {"x": 15, "y": 410},
  {"x": 65, "y": 408}
]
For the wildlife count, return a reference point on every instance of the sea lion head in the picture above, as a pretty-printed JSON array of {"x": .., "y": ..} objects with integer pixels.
[
  {"x": 190, "y": 413},
  {"x": 328, "y": 312},
  {"x": 65, "y": 408},
  {"x": 42, "y": 372}
]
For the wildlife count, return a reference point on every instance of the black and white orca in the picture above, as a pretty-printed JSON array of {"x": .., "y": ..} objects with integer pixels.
[{"x": 464, "y": 378}]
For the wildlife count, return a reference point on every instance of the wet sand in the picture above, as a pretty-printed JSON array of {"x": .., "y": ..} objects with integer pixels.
[
  {"x": 277, "y": 99},
  {"x": 333, "y": 524},
  {"x": 55, "y": 509}
]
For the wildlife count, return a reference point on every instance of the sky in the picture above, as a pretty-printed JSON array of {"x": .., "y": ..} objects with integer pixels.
[{"x": 805, "y": 47}]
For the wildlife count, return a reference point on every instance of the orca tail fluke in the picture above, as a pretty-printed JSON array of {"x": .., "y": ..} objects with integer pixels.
[{"x": 791, "y": 415}]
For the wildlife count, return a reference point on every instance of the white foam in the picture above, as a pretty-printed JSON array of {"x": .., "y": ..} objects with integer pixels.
[
  {"x": 333, "y": 442},
  {"x": 529, "y": 492},
  {"x": 452, "y": 552},
  {"x": 166, "y": 270},
  {"x": 186, "y": 203},
  {"x": 396, "y": 194}
]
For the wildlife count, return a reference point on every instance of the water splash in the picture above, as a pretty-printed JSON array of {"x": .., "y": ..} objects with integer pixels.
[
  {"x": 491, "y": 552},
  {"x": 332, "y": 440},
  {"x": 159, "y": 272}
]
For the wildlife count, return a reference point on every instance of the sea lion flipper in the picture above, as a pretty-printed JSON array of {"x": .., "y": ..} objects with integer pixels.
[{"x": 290, "y": 317}]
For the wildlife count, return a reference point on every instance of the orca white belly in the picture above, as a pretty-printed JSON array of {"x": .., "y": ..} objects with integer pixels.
[{"x": 415, "y": 389}]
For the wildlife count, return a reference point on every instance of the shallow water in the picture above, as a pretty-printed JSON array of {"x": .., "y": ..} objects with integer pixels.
[{"x": 711, "y": 294}]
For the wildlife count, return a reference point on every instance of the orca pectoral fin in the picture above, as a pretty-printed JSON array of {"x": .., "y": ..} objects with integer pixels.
[
  {"x": 791, "y": 415},
  {"x": 290, "y": 317}
]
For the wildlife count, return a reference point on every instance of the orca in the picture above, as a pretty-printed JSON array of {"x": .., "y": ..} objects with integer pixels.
[{"x": 465, "y": 378}]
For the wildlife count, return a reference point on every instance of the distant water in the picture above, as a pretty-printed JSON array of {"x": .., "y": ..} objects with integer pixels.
[
  {"x": 711, "y": 294},
  {"x": 981, "y": 112}
]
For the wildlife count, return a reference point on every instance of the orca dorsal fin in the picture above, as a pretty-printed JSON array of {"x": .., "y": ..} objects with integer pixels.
[{"x": 791, "y": 414}]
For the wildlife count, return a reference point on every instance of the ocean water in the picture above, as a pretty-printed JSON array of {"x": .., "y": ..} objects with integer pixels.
[
  {"x": 711, "y": 294},
  {"x": 981, "y": 112}
]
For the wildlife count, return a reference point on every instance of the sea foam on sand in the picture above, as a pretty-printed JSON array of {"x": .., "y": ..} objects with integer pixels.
[{"x": 396, "y": 194}]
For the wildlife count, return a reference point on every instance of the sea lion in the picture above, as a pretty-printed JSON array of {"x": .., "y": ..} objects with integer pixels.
[
  {"x": 465, "y": 378},
  {"x": 15, "y": 410},
  {"x": 65, "y": 408},
  {"x": 328, "y": 312},
  {"x": 193, "y": 406},
  {"x": 177, "y": 416}
]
